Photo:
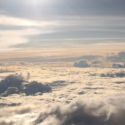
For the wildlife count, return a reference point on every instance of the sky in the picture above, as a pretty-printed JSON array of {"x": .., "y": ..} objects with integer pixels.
[
  {"x": 62, "y": 62},
  {"x": 54, "y": 29}
]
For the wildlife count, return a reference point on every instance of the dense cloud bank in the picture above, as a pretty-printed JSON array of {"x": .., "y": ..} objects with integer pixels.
[
  {"x": 109, "y": 111},
  {"x": 86, "y": 113},
  {"x": 16, "y": 84}
]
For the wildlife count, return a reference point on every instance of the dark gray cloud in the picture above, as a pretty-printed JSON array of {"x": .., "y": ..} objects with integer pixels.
[
  {"x": 10, "y": 90},
  {"x": 116, "y": 74},
  {"x": 34, "y": 87},
  {"x": 16, "y": 84},
  {"x": 11, "y": 81},
  {"x": 81, "y": 63},
  {"x": 119, "y": 82},
  {"x": 114, "y": 65}
]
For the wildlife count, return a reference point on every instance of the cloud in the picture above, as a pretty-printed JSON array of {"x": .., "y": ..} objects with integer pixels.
[
  {"x": 23, "y": 60},
  {"x": 119, "y": 58},
  {"x": 88, "y": 112},
  {"x": 96, "y": 62},
  {"x": 81, "y": 63},
  {"x": 34, "y": 87},
  {"x": 99, "y": 62},
  {"x": 11, "y": 81},
  {"x": 59, "y": 8},
  {"x": 116, "y": 74},
  {"x": 28, "y": 75},
  {"x": 13, "y": 21},
  {"x": 114, "y": 65},
  {"x": 58, "y": 83},
  {"x": 10, "y": 90},
  {"x": 10, "y": 104},
  {"x": 5, "y": 71},
  {"x": 14, "y": 31},
  {"x": 105, "y": 111},
  {"x": 110, "y": 74},
  {"x": 16, "y": 84}
]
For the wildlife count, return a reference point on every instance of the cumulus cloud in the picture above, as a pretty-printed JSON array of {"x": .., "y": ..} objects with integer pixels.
[
  {"x": 11, "y": 81},
  {"x": 81, "y": 63},
  {"x": 34, "y": 87},
  {"x": 114, "y": 65},
  {"x": 16, "y": 84},
  {"x": 119, "y": 58},
  {"x": 99, "y": 62},
  {"x": 10, "y": 90}
]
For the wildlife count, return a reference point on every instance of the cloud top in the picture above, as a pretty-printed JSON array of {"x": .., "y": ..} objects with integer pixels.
[
  {"x": 16, "y": 84},
  {"x": 81, "y": 63}
]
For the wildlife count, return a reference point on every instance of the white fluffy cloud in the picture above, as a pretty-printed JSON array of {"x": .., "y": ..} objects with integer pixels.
[{"x": 81, "y": 111}]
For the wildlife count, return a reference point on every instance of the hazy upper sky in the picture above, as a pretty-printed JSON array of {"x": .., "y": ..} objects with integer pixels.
[{"x": 61, "y": 28}]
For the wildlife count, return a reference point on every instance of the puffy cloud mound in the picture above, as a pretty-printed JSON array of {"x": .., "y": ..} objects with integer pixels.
[
  {"x": 34, "y": 87},
  {"x": 96, "y": 62},
  {"x": 11, "y": 81},
  {"x": 10, "y": 90},
  {"x": 119, "y": 58},
  {"x": 81, "y": 63},
  {"x": 117, "y": 74},
  {"x": 118, "y": 65},
  {"x": 14, "y": 84}
]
